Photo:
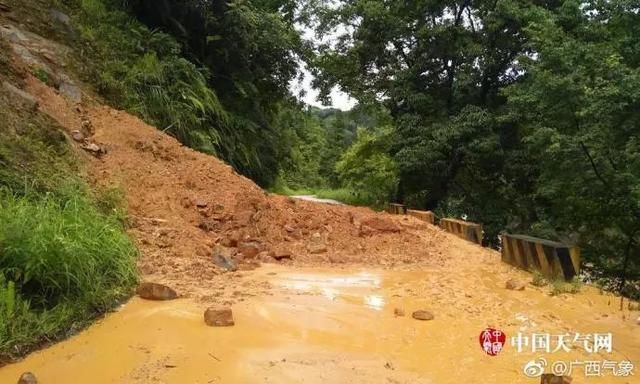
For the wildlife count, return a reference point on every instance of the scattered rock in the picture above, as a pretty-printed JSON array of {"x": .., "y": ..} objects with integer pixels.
[
  {"x": 28, "y": 378},
  {"x": 316, "y": 244},
  {"x": 77, "y": 136},
  {"x": 70, "y": 91},
  {"x": 250, "y": 249},
  {"x": 289, "y": 228},
  {"x": 155, "y": 291},
  {"x": 218, "y": 317},
  {"x": 223, "y": 258},
  {"x": 94, "y": 149},
  {"x": 422, "y": 315},
  {"x": 21, "y": 96},
  {"x": 60, "y": 17},
  {"x": 399, "y": 312},
  {"x": 515, "y": 285},
  {"x": 550, "y": 378}
]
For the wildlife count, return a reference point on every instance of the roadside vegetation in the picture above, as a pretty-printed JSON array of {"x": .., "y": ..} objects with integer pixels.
[{"x": 64, "y": 255}]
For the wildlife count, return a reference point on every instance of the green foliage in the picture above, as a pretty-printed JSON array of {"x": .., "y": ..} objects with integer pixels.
[
  {"x": 559, "y": 286},
  {"x": 521, "y": 115},
  {"x": 64, "y": 254},
  {"x": 142, "y": 71},
  {"x": 367, "y": 167},
  {"x": 538, "y": 279}
]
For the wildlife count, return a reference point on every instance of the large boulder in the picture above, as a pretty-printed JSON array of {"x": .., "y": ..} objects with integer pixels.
[
  {"x": 218, "y": 317},
  {"x": 155, "y": 291}
]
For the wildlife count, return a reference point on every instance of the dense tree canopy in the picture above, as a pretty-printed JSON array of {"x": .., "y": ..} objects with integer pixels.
[{"x": 522, "y": 115}]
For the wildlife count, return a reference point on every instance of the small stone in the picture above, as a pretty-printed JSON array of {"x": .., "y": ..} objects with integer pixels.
[
  {"x": 201, "y": 203},
  {"x": 422, "y": 315},
  {"x": 399, "y": 312},
  {"x": 218, "y": 317},
  {"x": 250, "y": 249},
  {"x": 375, "y": 224},
  {"x": 94, "y": 149},
  {"x": 28, "y": 378},
  {"x": 155, "y": 291},
  {"x": 550, "y": 378},
  {"x": 4, "y": 7},
  {"x": 515, "y": 285},
  {"x": 638, "y": 320},
  {"x": 289, "y": 228},
  {"x": 77, "y": 136}
]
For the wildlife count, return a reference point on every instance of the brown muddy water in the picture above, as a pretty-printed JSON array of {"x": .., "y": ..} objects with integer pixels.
[{"x": 321, "y": 325}]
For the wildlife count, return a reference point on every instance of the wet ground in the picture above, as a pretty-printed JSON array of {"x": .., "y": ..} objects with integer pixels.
[{"x": 338, "y": 326}]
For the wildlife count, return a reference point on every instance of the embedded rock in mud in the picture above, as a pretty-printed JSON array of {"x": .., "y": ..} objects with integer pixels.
[
  {"x": 316, "y": 244},
  {"x": 281, "y": 254},
  {"x": 250, "y": 249},
  {"x": 550, "y": 378},
  {"x": 28, "y": 378},
  {"x": 399, "y": 312},
  {"x": 218, "y": 317},
  {"x": 374, "y": 224},
  {"x": 223, "y": 258},
  {"x": 422, "y": 315},
  {"x": 515, "y": 285},
  {"x": 155, "y": 291}
]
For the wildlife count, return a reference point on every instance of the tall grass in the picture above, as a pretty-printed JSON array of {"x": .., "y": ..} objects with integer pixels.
[
  {"x": 60, "y": 264},
  {"x": 64, "y": 254}
]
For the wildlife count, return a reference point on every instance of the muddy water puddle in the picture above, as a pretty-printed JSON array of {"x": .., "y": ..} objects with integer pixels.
[{"x": 338, "y": 326}]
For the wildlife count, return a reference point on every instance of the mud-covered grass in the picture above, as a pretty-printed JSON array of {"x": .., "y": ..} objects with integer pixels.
[{"x": 64, "y": 255}]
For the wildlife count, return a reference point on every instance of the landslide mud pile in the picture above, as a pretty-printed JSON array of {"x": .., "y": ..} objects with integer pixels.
[{"x": 194, "y": 217}]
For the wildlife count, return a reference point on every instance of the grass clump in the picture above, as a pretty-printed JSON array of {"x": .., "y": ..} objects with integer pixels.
[
  {"x": 559, "y": 286},
  {"x": 61, "y": 263},
  {"x": 538, "y": 279}
]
